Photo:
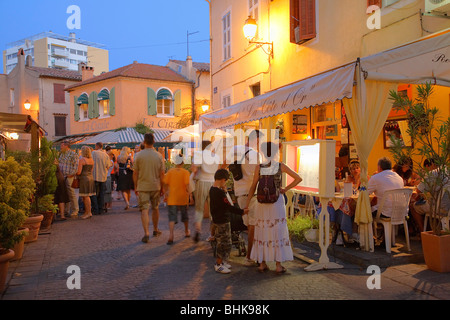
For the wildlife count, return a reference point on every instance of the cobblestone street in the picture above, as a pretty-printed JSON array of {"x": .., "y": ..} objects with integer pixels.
[{"x": 115, "y": 265}]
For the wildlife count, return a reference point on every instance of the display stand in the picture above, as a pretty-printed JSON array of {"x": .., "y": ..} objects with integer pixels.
[
  {"x": 314, "y": 160},
  {"x": 324, "y": 241}
]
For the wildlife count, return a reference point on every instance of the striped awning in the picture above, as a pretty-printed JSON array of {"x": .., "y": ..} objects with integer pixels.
[
  {"x": 126, "y": 137},
  {"x": 83, "y": 99},
  {"x": 164, "y": 94},
  {"x": 103, "y": 95}
]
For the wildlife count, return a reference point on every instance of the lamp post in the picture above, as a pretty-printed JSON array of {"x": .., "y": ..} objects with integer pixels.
[{"x": 250, "y": 28}]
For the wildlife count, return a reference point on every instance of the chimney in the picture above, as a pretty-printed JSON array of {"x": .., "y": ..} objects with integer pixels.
[
  {"x": 189, "y": 68},
  {"x": 86, "y": 72},
  {"x": 21, "y": 59},
  {"x": 72, "y": 37}
]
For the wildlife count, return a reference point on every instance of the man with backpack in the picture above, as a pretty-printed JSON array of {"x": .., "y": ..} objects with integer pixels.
[{"x": 246, "y": 160}]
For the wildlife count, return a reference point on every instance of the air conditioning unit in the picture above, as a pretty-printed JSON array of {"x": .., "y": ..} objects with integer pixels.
[{"x": 442, "y": 6}]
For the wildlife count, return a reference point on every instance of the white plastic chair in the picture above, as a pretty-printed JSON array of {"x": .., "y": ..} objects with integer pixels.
[
  {"x": 445, "y": 220},
  {"x": 399, "y": 199}
]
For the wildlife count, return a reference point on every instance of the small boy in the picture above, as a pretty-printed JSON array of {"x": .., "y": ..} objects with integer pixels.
[
  {"x": 220, "y": 208},
  {"x": 177, "y": 181}
]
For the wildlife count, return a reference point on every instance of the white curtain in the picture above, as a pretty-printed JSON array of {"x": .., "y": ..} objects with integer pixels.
[{"x": 367, "y": 112}]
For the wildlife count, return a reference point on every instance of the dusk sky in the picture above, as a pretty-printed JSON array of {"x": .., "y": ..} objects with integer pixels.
[{"x": 149, "y": 31}]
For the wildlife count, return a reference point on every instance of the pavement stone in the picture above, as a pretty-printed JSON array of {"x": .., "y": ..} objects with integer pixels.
[{"x": 116, "y": 265}]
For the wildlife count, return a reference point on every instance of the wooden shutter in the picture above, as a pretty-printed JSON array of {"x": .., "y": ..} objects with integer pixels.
[
  {"x": 307, "y": 16},
  {"x": 377, "y": 3},
  {"x": 93, "y": 110},
  {"x": 151, "y": 102},
  {"x": 302, "y": 20},
  {"x": 112, "y": 102},
  {"x": 59, "y": 95},
  {"x": 177, "y": 103},
  {"x": 60, "y": 125},
  {"x": 76, "y": 108}
]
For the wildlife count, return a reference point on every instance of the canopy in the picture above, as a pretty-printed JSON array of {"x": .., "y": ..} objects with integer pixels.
[
  {"x": 322, "y": 88},
  {"x": 128, "y": 137},
  {"x": 192, "y": 133},
  {"x": 424, "y": 60}
]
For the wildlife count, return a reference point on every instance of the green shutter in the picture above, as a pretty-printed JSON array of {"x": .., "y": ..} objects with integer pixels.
[
  {"x": 76, "y": 108},
  {"x": 177, "y": 103},
  {"x": 112, "y": 102},
  {"x": 151, "y": 102},
  {"x": 93, "y": 110}
]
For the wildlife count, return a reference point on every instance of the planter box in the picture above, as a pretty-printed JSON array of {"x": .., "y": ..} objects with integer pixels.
[
  {"x": 4, "y": 265},
  {"x": 436, "y": 251}
]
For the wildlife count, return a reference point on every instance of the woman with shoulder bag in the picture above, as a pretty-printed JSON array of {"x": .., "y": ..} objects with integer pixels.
[{"x": 271, "y": 240}]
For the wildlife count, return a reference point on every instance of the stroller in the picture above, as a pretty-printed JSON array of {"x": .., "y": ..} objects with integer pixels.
[{"x": 237, "y": 227}]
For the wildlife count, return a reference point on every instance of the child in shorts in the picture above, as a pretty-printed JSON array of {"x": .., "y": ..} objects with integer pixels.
[
  {"x": 177, "y": 183},
  {"x": 221, "y": 206}
]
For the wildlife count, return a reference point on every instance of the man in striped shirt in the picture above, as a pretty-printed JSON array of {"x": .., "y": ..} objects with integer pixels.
[{"x": 68, "y": 164}]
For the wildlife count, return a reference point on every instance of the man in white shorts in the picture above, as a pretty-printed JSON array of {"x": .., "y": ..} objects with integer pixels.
[{"x": 250, "y": 159}]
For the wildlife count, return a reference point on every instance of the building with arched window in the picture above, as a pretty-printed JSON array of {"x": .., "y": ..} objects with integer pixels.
[{"x": 137, "y": 93}]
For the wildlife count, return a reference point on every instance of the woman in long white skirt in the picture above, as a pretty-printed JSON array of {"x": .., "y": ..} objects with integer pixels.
[{"x": 271, "y": 241}]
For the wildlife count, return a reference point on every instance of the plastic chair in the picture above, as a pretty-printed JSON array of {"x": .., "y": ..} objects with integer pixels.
[
  {"x": 445, "y": 220},
  {"x": 290, "y": 196},
  {"x": 400, "y": 205}
]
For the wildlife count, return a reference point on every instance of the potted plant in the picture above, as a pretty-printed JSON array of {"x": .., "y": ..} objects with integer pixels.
[
  {"x": 430, "y": 136},
  {"x": 44, "y": 175},
  {"x": 16, "y": 189},
  {"x": 48, "y": 209},
  {"x": 303, "y": 227}
]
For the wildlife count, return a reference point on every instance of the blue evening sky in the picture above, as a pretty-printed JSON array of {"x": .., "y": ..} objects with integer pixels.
[{"x": 149, "y": 31}]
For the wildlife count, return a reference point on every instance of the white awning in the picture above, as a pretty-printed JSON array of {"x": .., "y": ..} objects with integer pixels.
[
  {"x": 424, "y": 60},
  {"x": 322, "y": 88}
]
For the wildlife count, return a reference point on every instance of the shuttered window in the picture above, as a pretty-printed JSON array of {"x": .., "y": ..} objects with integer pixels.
[
  {"x": 370, "y": 3},
  {"x": 226, "y": 35},
  {"x": 59, "y": 93},
  {"x": 60, "y": 125},
  {"x": 302, "y": 20}
]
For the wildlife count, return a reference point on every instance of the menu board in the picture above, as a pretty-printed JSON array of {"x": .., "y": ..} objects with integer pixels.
[{"x": 314, "y": 161}]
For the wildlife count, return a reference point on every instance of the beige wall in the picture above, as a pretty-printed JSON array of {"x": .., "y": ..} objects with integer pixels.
[
  {"x": 41, "y": 53},
  {"x": 4, "y": 93},
  {"x": 99, "y": 59},
  {"x": 4, "y": 61},
  {"x": 48, "y": 108},
  {"x": 342, "y": 37},
  {"x": 131, "y": 104}
]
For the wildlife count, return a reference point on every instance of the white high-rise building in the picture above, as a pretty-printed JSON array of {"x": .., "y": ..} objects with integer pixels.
[{"x": 50, "y": 50}]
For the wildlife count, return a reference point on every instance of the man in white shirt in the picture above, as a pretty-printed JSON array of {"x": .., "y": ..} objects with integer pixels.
[
  {"x": 249, "y": 159},
  {"x": 384, "y": 180},
  {"x": 102, "y": 162}
]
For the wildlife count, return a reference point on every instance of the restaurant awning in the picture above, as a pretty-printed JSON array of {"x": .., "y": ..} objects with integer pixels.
[
  {"x": 323, "y": 88},
  {"x": 116, "y": 139},
  {"x": 421, "y": 61}
]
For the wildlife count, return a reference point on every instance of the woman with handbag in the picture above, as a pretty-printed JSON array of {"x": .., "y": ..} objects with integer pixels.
[
  {"x": 87, "y": 183},
  {"x": 125, "y": 181},
  {"x": 271, "y": 240}
]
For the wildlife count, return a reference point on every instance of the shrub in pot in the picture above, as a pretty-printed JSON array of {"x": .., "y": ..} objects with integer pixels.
[
  {"x": 47, "y": 208},
  {"x": 16, "y": 189},
  {"x": 430, "y": 135}
]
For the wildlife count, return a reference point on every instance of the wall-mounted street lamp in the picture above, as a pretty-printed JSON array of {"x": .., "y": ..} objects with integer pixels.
[
  {"x": 205, "y": 107},
  {"x": 250, "y": 28},
  {"x": 27, "y": 105}
]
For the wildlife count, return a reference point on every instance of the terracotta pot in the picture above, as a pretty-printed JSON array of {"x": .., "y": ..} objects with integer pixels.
[
  {"x": 47, "y": 220},
  {"x": 19, "y": 246},
  {"x": 33, "y": 223},
  {"x": 436, "y": 251},
  {"x": 4, "y": 265}
]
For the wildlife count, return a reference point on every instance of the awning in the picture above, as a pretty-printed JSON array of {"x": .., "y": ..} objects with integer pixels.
[
  {"x": 421, "y": 61},
  {"x": 127, "y": 137},
  {"x": 14, "y": 122},
  {"x": 103, "y": 95},
  {"x": 164, "y": 94},
  {"x": 323, "y": 88},
  {"x": 83, "y": 99}
]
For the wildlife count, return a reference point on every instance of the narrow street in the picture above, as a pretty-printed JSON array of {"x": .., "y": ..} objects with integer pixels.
[{"x": 115, "y": 265}]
